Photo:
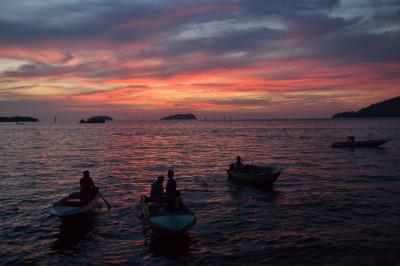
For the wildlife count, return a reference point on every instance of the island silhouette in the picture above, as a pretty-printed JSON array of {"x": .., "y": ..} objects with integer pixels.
[
  {"x": 180, "y": 117},
  {"x": 96, "y": 120},
  {"x": 19, "y": 119},
  {"x": 387, "y": 108}
]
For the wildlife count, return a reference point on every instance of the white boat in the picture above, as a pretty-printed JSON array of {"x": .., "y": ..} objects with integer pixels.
[
  {"x": 265, "y": 175},
  {"x": 72, "y": 205},
  {"x": 164, "y": 223}
]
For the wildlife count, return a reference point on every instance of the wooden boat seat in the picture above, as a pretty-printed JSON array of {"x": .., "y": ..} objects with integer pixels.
[{"x": 74, "y": 202}]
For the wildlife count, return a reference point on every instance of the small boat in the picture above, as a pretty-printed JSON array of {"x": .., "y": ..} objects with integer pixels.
[
  {"x": 265, "y": 175},
  {"x": 359, "y": 144},
  {"x": 72, "y": 205},
  {"x": 166, "y": 224},
  {"x": 92, "y": 121}
]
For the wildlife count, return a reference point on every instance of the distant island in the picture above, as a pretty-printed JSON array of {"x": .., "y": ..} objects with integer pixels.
[
  {"x": 17, "y": 119},
  {"x": 96, "y": 120},
  {"x": 388, "y": 108},
  {"x": 180, "y": 117}
]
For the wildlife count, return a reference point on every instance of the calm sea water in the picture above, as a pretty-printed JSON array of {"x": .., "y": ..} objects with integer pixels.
[{"x": 329, "y": 207}]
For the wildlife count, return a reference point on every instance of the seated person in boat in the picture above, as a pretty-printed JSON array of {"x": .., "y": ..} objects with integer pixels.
[
  {"x": 88, "y": 189},
  {"x": 171, "y": 191},
  {"x": 157, "y": 190},
  {"x": 238, "y": 165},
  {"x": 351, "y": 139}
]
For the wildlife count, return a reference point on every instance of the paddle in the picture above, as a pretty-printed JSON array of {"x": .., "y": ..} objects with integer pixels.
[{"x": 101, "y": 196}]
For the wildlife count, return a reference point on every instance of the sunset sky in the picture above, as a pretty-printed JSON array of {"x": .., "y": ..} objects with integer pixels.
[{"x": 245, "y": 59}]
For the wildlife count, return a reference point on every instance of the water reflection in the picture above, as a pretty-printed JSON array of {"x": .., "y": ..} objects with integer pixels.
[
  {"x": 72, "y": 231},
  {"x": 329, "y": 200},
  {"x": 236, "y": 184},
  {"x": 170, "y": 248}
]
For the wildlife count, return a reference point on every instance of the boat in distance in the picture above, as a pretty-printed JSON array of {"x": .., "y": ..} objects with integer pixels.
[
  {"x": 359, "y": 144},
  {"x": 265, "y": 175},
  {"x": 72, "y": 205},
  {"x": 166, "y": 224}
]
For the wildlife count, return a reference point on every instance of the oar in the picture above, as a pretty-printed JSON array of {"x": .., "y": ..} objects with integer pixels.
[{"x": 101, "y": 196}]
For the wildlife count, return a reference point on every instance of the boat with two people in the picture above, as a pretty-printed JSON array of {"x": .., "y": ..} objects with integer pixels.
[
  {"x": 165, "y": 213},
  {"x": 165, "y": 223}
]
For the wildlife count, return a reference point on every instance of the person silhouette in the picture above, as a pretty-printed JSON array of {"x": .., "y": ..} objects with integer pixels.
[
  {"x": 238, "y": 164},
  {"x": 157, "y": 190},
  {"x": 88, "y": 189},
  {"x": 171, "y": 191}
]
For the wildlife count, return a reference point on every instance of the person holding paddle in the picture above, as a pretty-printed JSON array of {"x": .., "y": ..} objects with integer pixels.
[{"x": 88, "y": 189}]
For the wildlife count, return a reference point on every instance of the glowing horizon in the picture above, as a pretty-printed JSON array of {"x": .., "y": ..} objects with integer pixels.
[{"x": 153, "y": 58}]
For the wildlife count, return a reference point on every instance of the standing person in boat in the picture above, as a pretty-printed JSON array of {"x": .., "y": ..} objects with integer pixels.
[
  {"x": 171, "y": 191},
  {"x": 157, "y": 190},
  {"x": 88, "y": 189}
]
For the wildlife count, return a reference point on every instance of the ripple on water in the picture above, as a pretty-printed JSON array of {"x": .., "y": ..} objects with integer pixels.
[{"x": 329, "y": 206}]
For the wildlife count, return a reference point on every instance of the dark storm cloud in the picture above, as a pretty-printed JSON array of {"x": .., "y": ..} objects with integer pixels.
[
  {"x": 364, "y": 47},
  {"x": 319, "y": 25},
  {"x": 349, "y": 39},
  {"x": 317, "y": 28},
  {"x": 72, "y": 21},
  {"x": 102, "y": 70},
  {"x": 288, "y": 8},
  {"x": 96, "y": 20},
  {"x": 46, "y": 70}
]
